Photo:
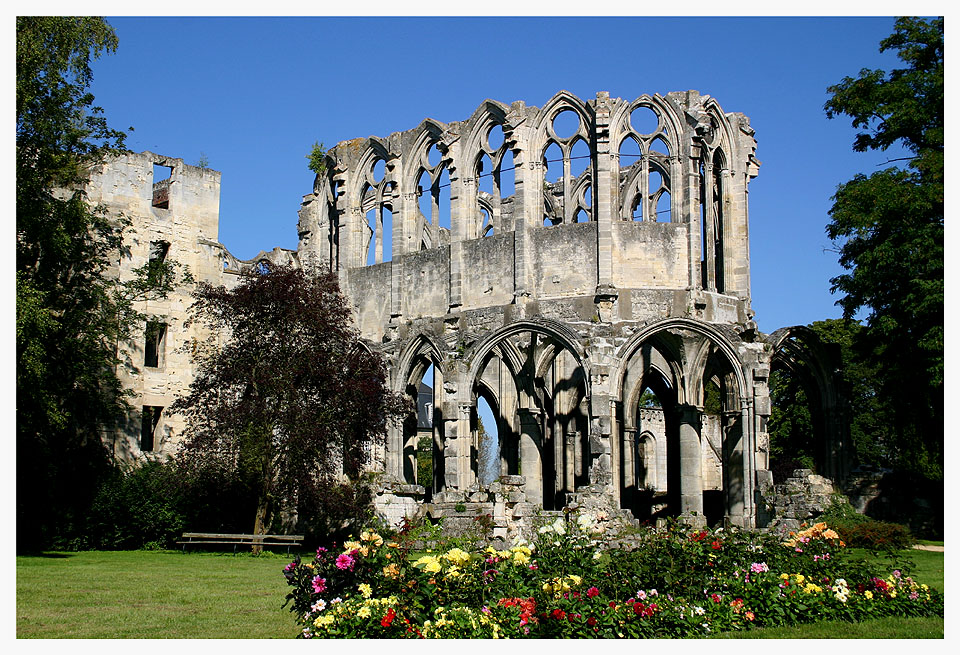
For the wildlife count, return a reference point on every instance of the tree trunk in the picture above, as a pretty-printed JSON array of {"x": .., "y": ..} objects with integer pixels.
[{"x": 263, "y": 519}]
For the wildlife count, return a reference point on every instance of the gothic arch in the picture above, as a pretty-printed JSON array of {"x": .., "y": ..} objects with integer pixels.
[{"x": 817, "y": 366}]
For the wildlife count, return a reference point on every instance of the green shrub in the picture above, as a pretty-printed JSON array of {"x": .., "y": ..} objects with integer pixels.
[
  {"x": 859, "y": 531},
  {"x": 135, "y": 508}
]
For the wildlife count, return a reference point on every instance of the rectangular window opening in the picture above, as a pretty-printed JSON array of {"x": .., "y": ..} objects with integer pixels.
[
  {"x": 154, "y": 341},
  {"x": 158, "y": 255},
  {"x": 161, "y": 186},
  {"x": 148, "y": 427}
]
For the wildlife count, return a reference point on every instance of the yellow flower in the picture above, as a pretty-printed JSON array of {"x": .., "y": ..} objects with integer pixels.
[
  {"x": 868, "y": 595},
  {"x": 433, "y": 567},
  {"x": 830, "y": 534},
  {"x": 365, "y": 590},
  {"x": 924, "y": 587},
  {"x": 364, "y": 551},
  {"x": 351, "y": 545},
  {"x": 309, "y": 566},
  {"x": 547, "y": 587},
  {"x": 521, "y": 558},
  {"x": 784, "y": 576},
  {"x": 893, "y": 594},
  {"x": 576, "y": 579},
  {"x": 364, "y": 612},
  {"x": 457, "y": 556},
  {"x": 323, "y": 620}
]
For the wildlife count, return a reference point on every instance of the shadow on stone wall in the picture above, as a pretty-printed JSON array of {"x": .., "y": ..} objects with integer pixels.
[{"x": 899, "y": 498}]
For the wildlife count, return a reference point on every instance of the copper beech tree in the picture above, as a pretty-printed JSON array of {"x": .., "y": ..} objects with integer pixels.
[{"x": 290, "y": 401}]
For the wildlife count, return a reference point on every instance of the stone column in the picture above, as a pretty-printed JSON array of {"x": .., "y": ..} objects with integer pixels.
[
  {"x": 571, "y": 437},
  {"x": 465, "y": 446},
  {"x": 691, "y": 478},
  {"x": 606, "y": 193},
  {"x": 531, "y": 466},
  {"x": 628, "y": 458},
  {"x": 528, "y": 198},
  {"x": 733, "y": 469}
]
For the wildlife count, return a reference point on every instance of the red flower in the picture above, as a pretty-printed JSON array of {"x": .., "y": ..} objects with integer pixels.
[
  {"x": 558, "y": 614},
  {"x": 592, "y": 621},
  {"x": 612, "y": 604},
  {"x": 716, "y": 545},
  {"x": 638, "y": 608},
  {"x": 715, "y": 598},
  {"x": 388, "y": 618},
  {"x": 593, "y": 592}
]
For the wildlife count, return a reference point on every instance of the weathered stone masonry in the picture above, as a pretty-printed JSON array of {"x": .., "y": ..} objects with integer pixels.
[{"x": 555, "y": 262}]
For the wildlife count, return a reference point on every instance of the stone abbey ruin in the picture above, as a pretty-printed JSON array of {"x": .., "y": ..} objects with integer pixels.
[{"x": 580, "y": 269}]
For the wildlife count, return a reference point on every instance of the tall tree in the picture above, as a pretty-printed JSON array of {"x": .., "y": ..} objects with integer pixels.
[
  {"x": 888, "y": 228},
  {"x": 291, "y": 400},
  {"x": 71, "y": 311}
]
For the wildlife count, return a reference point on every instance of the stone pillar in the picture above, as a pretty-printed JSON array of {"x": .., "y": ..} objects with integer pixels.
[
  {"x": 466, "y": 474},
  {"x": 629, "y": 457},
  {"x": 733, "y": 466},
  {"x": 606, "y": 193},
  {"x": 528, "y": 198},
  {"x": 570, "y": 460},
  {"x": 692, "y": 213},
  {"x": 691, "y": 482},
  {"x": 530, "y": 461},
  {"x": 706, "y": 247}
]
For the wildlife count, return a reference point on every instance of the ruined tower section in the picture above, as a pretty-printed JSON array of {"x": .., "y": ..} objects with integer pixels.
[
  {"x": 581, "y": 273},
  {"x": 173, "y": 211}
]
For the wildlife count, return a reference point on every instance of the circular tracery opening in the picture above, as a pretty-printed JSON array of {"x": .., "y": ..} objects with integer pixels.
[
  {"x": 566, "y": 124},
  {"x": 495, "y": 138},
  {"x": 644, "y": 120}
]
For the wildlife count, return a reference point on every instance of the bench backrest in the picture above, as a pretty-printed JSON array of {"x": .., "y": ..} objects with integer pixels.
[{"x": 294, "y": 538}]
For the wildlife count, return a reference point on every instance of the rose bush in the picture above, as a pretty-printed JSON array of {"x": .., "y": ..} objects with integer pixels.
[{"x": 675, "y": 582}]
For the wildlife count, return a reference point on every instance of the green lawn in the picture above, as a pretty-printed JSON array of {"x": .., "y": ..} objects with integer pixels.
[
  {"x": 927, "y": 565},
  {"x": 888, "y": 628},
  {"x": 143, "y": 594}
]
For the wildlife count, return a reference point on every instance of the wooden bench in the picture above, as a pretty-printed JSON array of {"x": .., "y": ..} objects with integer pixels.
[{"x": 264, "y": 540}]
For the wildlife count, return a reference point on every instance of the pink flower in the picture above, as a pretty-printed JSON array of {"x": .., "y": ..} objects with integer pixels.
[
  {"x": 319, "y": 585},
  {"x": 345, "y": 562},
  {"x": 592, "y": 592}
]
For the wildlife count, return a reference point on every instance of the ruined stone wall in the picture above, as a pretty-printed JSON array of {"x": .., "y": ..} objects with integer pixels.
[
  {"x": 178, "y": 213},
  {"x": 555, "y": 262},
  {"x": 556, "y": 270}
]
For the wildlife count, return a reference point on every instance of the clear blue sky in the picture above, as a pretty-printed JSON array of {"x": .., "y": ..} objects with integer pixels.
[{"x": 254, "y": 93}]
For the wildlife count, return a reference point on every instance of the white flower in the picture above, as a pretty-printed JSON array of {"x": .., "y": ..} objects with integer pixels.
[
  {"x": 699, "y": 611},
  {"x": 319, "y": 606},
  {"x": 558, "y": 526}
]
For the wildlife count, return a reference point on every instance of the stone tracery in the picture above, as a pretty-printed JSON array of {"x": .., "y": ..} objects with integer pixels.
[{"x": 559, "y": 302}]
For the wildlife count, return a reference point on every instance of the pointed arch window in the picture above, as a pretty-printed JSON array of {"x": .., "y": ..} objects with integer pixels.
[{"x": 646, "y": 176}]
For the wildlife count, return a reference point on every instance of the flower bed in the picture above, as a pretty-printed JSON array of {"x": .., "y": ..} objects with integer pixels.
[{"x": 675, "y": 582}]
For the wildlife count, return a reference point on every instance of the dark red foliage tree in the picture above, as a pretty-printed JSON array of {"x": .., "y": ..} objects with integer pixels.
[{"x": 286, "y": 396}]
